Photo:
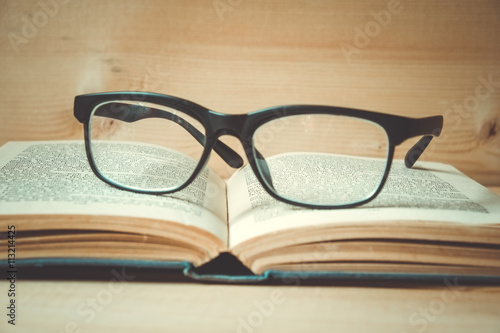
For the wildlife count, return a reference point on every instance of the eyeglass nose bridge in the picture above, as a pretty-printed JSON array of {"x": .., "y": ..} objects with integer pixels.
[
  {"x": 235, "y": 125},
  {"x": 226, "y": 124},
  {"x": 219, "y": 124}
]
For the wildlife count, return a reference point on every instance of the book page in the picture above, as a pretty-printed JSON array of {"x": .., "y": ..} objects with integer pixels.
[
  {"x": 427, "y": 192},
  {"x": 54, "y": 177}
]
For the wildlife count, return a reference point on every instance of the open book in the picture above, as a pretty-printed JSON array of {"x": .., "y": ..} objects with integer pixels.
[{"x": 430, "y": 220}]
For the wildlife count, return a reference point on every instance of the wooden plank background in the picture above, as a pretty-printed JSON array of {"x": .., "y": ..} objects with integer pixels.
[{"x": 415, "y": 58}]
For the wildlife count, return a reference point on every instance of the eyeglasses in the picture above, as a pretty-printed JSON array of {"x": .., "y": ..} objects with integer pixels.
[{"x": 306, "y": 155}]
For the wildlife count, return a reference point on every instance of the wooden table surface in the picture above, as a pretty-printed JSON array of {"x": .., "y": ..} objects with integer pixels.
[{"x": 56, "y": 307}]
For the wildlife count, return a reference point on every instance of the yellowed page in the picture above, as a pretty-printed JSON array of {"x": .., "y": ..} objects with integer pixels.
[
  {"x": 54, "y": 178},
  {"x": 427, "y": 192}
]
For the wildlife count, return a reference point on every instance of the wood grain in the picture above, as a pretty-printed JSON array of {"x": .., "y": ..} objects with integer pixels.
[
  {"x": 415, "y": 58},
  {"x": 48, "y": 306}
]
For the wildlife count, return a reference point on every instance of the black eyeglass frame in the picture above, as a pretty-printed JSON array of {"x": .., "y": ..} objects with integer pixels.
[{"x": 243, "y": 126}]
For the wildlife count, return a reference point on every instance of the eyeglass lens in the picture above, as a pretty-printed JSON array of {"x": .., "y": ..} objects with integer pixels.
[{"x": 323, "y": 159}]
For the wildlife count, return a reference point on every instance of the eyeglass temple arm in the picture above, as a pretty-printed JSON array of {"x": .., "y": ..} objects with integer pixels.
[
  {"x": 264, "y": 168},
  {"x": 229, "y": 156},
  {"x": 429, "y": 127}
]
